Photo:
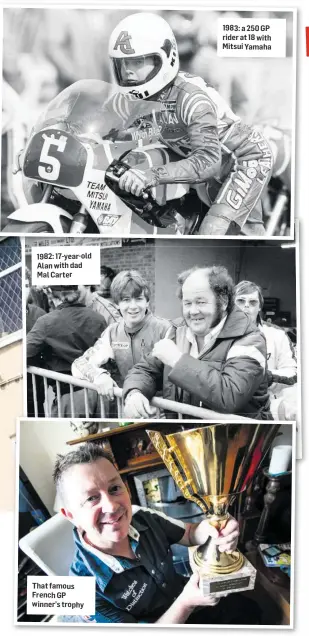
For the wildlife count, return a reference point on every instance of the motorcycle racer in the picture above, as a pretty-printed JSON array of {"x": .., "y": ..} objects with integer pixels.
[{"x": 218, "y": 152}]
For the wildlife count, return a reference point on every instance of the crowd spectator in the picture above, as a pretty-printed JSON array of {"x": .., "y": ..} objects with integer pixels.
[
  {"x": 215, "y": 357},
  {"x": 220, "y": 355},
  {"x": 125, "y": 342},
  {"x": 281, "y": 362},
  {"x": 13, "y": 139},
  {"x": 64, "y": 334},
  {"x": 33, "y": 310},
  {"x": 103, "y": 306}
]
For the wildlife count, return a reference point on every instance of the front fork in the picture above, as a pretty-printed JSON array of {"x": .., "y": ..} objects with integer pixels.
[{"x": 47, "y": 193}]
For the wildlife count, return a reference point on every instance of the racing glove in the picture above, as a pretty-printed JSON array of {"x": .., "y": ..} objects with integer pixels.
[{"x": 137, "y": 181}]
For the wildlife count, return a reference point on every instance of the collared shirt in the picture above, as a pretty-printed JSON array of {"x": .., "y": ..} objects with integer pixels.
[
  {"x": 139, "y": 589},
  {"x": 209, "y": 339}
]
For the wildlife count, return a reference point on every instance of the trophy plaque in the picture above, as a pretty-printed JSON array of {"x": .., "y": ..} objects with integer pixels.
[{"x": 211, "y": 465}]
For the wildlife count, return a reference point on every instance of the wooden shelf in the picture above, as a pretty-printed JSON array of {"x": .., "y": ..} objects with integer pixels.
[
  {"x": 145, "y": 463},
  {"x": 142, "y": 466},
  {"x": 113, "y": 431}
]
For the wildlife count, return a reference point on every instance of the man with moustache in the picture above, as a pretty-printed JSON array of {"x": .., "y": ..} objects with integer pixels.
[
  {"x": 215, "y": 357},
  {"x": 128, "y": 550}
]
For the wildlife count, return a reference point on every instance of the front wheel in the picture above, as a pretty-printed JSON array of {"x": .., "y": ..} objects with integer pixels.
[{"x": 38, "y": 227}]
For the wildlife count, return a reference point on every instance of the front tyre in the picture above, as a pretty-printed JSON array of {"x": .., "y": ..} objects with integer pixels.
[{"x": 39, "y": 227}]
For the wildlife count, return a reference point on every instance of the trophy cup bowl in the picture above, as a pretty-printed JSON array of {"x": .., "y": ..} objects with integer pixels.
[{"x": 211, "y": 465}]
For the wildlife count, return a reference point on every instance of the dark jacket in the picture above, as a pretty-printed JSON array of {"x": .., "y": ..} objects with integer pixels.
[
  {"x": 228, "y": 378},
  {"x": 33, "y": 312},
  {"x": 64, "y": 334}
]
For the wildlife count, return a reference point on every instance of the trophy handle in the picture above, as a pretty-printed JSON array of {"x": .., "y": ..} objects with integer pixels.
[{"x": 165, "y": 452}]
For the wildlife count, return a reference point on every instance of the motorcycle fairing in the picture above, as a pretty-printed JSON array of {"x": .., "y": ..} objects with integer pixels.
[
  {"x": 108, "y": 212},
  {"x": 77, "y": 137},
  {"x": 50, "y": 155},
  {"x": 37, "y": 212}
]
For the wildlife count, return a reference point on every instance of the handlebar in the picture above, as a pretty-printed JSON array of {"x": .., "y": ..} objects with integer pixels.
[{"x": 113, "y": 177}]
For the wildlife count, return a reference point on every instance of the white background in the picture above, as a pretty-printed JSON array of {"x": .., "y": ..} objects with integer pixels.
[
  {"x": 82, "y": 595},
  {"x": 69, "y": 256},
  {"x": 276, "y": 31},
  {"x": 302, "y": 212}
]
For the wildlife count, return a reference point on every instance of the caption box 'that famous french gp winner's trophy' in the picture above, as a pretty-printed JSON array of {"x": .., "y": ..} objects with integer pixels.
[{"x": 211, "y": 466}]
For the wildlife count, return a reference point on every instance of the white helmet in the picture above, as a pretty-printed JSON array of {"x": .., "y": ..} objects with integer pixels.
[{"x": 144, "y": 36}]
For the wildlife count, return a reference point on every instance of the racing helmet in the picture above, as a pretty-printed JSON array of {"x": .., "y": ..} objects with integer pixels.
[{"x": 145, "y": 37}]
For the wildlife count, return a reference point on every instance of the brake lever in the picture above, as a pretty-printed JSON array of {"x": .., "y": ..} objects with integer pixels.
[{"x": 113, "y": 177}]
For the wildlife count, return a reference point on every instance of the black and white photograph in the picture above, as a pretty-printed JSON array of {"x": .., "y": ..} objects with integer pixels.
[
  {"x": 153, "y": 256},
  {"x": 208, "y": 332},
  {"x": 132, "y": 122},
  {"x": 167, "y": 539}
]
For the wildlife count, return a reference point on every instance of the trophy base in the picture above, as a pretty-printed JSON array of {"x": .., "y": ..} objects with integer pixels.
[{"x": 222, "y": 584}]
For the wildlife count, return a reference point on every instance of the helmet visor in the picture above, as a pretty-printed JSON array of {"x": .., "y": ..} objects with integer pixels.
[{"x": 136, "y": 71}]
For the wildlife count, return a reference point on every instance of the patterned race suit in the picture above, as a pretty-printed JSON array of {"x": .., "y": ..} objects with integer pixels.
[{"x": 231, "y": 160}]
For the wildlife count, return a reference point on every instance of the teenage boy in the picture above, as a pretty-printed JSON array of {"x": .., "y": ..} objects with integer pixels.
[{"x": 126, "y": 342}]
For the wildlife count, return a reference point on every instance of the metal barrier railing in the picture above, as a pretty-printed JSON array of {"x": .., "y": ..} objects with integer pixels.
[{"x": 161, "y": 403}]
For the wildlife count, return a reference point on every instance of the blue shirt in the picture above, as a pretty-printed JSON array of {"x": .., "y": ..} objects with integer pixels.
[{"x": 134, "y": 590}]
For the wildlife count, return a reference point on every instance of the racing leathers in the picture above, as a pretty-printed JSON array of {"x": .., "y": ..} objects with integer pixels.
[
  {"x": 229, "y": 162},
  {"x": 280, "y": 142},
  {"x": 122, "y": 345}
]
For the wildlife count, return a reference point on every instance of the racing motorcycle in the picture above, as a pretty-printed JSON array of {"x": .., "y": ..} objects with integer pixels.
[
  {"x": 77, "y": 151},
  {"x": 82, "y": 144}
]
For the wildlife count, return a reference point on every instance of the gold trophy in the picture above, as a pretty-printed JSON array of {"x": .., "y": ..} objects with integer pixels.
[{"x": 211, "y": 466}]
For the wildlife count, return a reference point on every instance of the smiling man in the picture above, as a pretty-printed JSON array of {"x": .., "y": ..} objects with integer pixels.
[
  {"x": 215, "y": 357},
  {"x": 128, "y": 550}
]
